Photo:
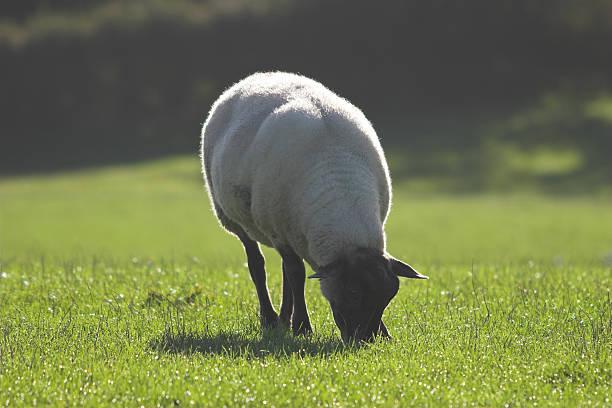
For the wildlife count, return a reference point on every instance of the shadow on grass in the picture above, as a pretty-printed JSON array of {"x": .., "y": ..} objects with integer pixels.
[{"x": 277, "y": 343}]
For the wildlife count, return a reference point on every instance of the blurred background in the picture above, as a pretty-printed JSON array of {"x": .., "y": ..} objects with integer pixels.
[
  {"x": 495, "y": 116},
  {"x": 465, "y": 95}
]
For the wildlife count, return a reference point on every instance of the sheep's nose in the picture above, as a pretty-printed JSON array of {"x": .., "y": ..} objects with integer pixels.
[{"x": 350, "y": 336}]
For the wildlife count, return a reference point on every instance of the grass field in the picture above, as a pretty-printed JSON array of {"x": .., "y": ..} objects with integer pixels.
[{"x": 118, "y": 287}]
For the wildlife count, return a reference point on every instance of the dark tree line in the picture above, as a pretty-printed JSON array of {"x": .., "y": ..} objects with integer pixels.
[{"x": 127, "y": 92}]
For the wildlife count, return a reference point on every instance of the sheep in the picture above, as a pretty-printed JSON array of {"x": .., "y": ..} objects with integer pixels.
[{"x": 291, "y": 165}]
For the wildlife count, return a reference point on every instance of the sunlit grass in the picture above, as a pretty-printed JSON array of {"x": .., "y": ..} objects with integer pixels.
[
  {"x": 117, "y": 286},
  {"x": 160, "y": 209}
]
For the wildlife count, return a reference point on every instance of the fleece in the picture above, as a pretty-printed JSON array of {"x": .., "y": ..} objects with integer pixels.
[{"x": 289, "y": 163}]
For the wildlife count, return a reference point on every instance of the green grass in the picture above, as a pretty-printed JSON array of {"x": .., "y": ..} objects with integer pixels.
[{"x": 118, "y": 286}]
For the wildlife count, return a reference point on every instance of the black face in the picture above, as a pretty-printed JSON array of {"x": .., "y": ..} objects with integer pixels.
[{"x": 359, "y": 290}]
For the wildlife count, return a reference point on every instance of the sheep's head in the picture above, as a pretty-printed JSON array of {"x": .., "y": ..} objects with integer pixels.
[{"x": 359, "y": 286}]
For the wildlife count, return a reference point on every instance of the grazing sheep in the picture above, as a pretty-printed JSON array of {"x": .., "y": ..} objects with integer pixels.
[{"x": 291, "y": 165}]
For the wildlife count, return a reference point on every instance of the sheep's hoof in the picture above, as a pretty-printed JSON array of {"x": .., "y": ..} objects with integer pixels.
[
  {"x": 269, "y": 321},
  {"x": 301, "y": 328},
  {"x": 284, "y": 321}
]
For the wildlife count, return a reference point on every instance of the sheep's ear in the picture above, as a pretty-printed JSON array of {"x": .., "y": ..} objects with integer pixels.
[{"x": 403, "y": 269}]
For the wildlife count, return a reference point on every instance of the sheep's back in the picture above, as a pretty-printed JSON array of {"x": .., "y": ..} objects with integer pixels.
[{"x": 261, "y": 141}]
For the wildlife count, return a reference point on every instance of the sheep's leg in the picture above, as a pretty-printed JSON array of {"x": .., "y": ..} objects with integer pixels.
[
  {"x": 286, "y": 309},
  {"x": 293, "y": 268},
  {"x": 267, "y": 314}
]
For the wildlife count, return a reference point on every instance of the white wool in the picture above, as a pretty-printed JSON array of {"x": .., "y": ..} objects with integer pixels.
[{"x": 293, "y": 164}]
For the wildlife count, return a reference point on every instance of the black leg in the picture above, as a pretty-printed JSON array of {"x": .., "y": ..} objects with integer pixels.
[
  {"x": 286, "y": 309},
  {"x": 293, "y": 268},
  {"x": 267, "y": 314}
]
